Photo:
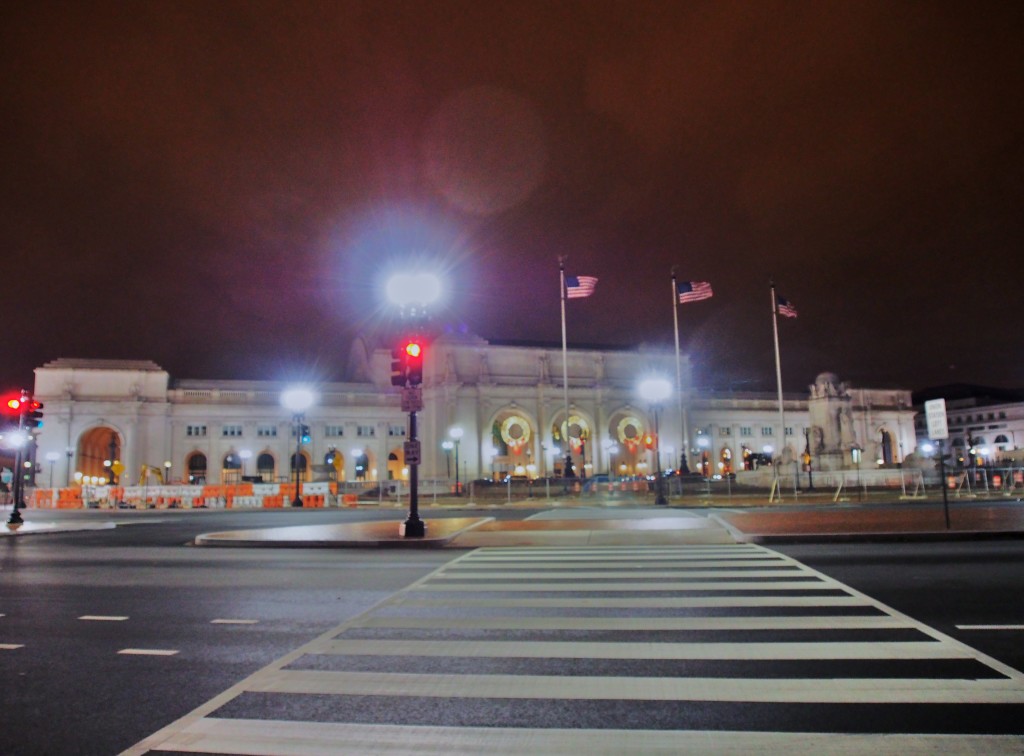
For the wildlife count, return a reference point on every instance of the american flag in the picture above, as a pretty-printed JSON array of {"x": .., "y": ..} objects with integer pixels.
[
  {"x": 693, "y": 291},
  {"x": 577, "y": 287},
  {"x": 786, "y": 308}
]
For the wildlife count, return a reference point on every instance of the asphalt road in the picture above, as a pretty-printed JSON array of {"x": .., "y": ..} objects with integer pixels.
[{"x": 228, "y": 613}]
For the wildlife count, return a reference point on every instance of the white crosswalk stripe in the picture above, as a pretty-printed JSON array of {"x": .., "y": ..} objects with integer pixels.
[{"x": 644, "y": 648}]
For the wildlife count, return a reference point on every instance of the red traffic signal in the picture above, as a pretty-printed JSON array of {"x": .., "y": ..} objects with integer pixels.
[
  {"x": 33, "y": 414},
  {"x": 414, "y": 362},
  {"x": 649, "y": 441},
  {"x": 12, "y": 405}
]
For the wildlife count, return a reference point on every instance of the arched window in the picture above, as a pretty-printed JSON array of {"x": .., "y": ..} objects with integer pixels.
[{"x": 1001, "y": 439}]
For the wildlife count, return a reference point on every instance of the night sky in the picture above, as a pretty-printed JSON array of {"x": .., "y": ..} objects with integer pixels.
[{"x": 221, "y": 186}]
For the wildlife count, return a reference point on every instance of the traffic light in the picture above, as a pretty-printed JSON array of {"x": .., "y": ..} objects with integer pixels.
[
  {"x": 304, "y": 434},
  {"x": 649, "y": 441},
  {"x": 33, "y": 414},
  {"x": 398, "y": 367},
  {"x": 414, "y": 362},
  {"x": 12, "y": 404}
]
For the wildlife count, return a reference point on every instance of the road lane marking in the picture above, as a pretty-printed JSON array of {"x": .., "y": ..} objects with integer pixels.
[
  {"x": 653, "y": 651},
  {"x": 990, "y": 627},
  {"x": 102, "y": 618},
  {"x": 201, "y": 730},
  {"x": 216, "y": 735},
  {"x": 470, "y": 574},
  {"x": 596, "y": 688},
  {"x": 648, "y": 602},
  {"x": 629, "y": 587},
  {"x": 147, "y": 651},
  {"x": 234, "y": 622},
  {"x": 641, "y": 624},
  {"x": 11, "y": 646}
]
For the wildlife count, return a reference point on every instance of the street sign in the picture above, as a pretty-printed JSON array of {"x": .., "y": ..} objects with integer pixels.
[
  {"x": 412, "y": 452},
  {"x": 935, "y": 414},
  {"x": 412, "y": 399}
]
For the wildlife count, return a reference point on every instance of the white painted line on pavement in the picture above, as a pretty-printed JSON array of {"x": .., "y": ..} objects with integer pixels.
[
  {"x": 11, "y": 646},
  {"x": 234, "y": 622},
  {"x": 629, "y": 587},
  {"x": 645, "y": 651},
  {"x": 216, "y": 735},
  {"x": 101, "y": 618},
  {"x": 466, "y": 574},
  {"x": 147, "y": 651},
  {"x": 593, "y": 688},
  {"x": 990, "y": 627},
  {"x": 640, "y": 624},
  {"x": 642, "y": 602}
]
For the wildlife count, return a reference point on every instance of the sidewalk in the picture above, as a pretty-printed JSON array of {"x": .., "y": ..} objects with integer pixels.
[
  {"x": 621, "y": 522},
  {"x": 661, "y": 526}
]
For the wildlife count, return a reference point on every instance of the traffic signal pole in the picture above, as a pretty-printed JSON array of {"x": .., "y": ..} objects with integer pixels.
[{"x": 414, "y": 527}]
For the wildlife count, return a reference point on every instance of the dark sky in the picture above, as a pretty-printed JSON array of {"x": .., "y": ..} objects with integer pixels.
[{"x": 220, "y": 186}]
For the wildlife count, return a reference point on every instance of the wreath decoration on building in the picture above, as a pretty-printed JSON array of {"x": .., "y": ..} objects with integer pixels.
[{"x": 515, "y": 431}]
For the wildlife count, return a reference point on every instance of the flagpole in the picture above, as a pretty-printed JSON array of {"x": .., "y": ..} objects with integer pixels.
[
  {"x": 565, "y": 369},
  {"x": 778, "y": 382},
  {"x": 684, "y": 447}
]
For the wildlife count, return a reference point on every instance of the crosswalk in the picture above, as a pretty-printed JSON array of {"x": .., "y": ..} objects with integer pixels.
[{"x": 704, "y": 648}]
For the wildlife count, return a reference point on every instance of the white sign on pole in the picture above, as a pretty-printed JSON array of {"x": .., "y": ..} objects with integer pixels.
[
  {"x": 411, "y": 450},
  {"x": 935, "y": 414}
]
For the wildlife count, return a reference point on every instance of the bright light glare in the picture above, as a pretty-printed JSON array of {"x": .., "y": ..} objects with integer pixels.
[
  {"x": 654, "y": 389},
  {"x": 407, "y": 289},
  {"x": 297, "y": 399},
  {"x": 456, "y": 432}
]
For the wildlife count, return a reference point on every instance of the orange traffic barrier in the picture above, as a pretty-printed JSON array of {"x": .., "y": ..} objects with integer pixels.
[{"x": 350, "y": 500}]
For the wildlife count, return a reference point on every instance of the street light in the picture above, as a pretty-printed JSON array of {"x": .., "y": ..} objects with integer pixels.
[
  {"x": 52, "y": 457},
  {"x": 447, "y": 446},
  {"x": 297, "y": 399},
  {"x": 167, "y": 471},
  {"x": 244, "y": 455},
  {"x": 655, "y": 390},
  {"x": 456, "y": 435}
]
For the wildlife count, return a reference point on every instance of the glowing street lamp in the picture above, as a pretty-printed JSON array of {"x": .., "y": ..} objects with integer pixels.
[
  {"x": 297, "y": 399},
  {"x": 655, "y": 390},
  {"x": 456, "y": 434}
]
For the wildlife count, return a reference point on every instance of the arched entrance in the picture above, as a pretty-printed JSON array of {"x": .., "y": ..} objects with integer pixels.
[
  {"x": 396, "y": 465},
  {"x": 886, "y": 455},
  {"x": 195, "y": 465},
  {"x": 98, "y": 448},
  {"x": 265, "y": 467},
  {"x": 231, "y": 469},
  {"x": 573, "y": 440},
  {"x": 298, "y": 462},
  {"x": 510, "y": 451},
  {"x": 336, "y": 460},
  {"x": 626, "y": 429}
]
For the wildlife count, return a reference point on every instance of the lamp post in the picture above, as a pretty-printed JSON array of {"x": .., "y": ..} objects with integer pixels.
[
  {"x": 71, "y": 453},
  {"x": 52, "y": 457},
  {"x": 456, "y": 435},
  {"x": 167, "y": 471},
  {"x": 244, "y": 455},
  {"x": 655, "y": 390},
  {"x": 447, "y": 446},
  {"x": 297, "y": 399},
  {"x": 808, "y": 460}
]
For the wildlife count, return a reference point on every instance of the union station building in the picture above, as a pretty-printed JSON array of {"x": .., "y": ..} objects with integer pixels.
[{"x": 491, "y": 409}]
